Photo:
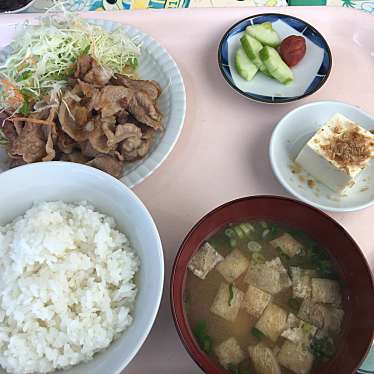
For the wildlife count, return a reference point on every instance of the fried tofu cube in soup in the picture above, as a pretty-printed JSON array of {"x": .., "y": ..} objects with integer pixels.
[
  {"x": 298, "y": 331},
  {"x": 227, "y": 302},
  {"x": 255, "y": 301},
  {"x": 295, "y": 358},
  {"x": 287, "y": 244},
  {"x": 263, "y": 359},
  {"x": 229, "y": 353},
  {"x": 321, "y": 316},
  {"x": 233, "y": 266},
  {"x": 272, "y": 322},
  {"x": 302, "y": 282},
  {"x": 204, "y": 261},
  {"x": 326, "y": 291},
  {"x": 271, "y": 276}
]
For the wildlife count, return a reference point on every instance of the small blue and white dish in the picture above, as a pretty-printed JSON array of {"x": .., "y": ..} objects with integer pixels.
[{"x": 310, "y": 73}]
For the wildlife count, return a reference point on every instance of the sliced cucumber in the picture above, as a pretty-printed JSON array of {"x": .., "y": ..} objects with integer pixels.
[
  {"x": 244, "y": 66},
  {"x": 265, "y": 34},
  {"x": 252, "y": 47},
  {"x": 275, "y": 65}
]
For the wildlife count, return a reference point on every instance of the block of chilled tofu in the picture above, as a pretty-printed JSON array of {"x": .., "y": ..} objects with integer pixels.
[
  {"x": 270, "y": 276},
  {"x": 229, "y": 352},
  {"x": 272, "y": 322},
  {"x": 227, "y": 301},
  {"x": 337, "y": 153},
  {"x": 204, "y": 260},
  {"x": 233, "y": 266},
  {"x": 302, "y": 282},
  {"x": 326, "y": 291},
  {"x": 295, "y": 358},
  {"x": 287, "y": 244},
  {"x": 321, "y": 316},
  {"x": 263, "y": 359},
  {"x": 298, "y": 331},
  {"x": 255, "y": 301}
]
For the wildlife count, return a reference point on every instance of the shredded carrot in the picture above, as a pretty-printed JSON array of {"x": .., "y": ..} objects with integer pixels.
[
  {"x": 32, "y": 120},
  {"x": 9, "y": 87}
]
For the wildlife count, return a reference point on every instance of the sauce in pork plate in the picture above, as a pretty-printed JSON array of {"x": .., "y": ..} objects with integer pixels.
[
  {"x": 103, "y": 119},
  {"x": 263, "y": 298}
]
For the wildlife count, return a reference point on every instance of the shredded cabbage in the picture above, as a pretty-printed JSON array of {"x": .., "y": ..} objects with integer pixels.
[{"x": 43, "y": 57}]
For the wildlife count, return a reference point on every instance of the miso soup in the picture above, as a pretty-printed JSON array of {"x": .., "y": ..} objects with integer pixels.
[{"x": 264, "y": 298}]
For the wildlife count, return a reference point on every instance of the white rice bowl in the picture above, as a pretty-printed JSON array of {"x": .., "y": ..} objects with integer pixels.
[{"x": 67, "y": 286}]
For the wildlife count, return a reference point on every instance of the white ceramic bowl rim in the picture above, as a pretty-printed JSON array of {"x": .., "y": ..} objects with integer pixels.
[{"x": 280, "y": 177}]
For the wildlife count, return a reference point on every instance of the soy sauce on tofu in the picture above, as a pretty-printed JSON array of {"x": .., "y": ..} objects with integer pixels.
[{"x": 264, "y": 298}]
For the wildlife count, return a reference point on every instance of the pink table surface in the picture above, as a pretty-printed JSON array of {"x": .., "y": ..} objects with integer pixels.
[{"x": 223, "y": 151}]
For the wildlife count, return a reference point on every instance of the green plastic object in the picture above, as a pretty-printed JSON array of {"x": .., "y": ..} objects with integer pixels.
[{"x": 307, "y": 2}]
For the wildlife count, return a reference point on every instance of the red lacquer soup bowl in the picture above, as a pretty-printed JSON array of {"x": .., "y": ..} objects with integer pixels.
[{"x": 358, "y": 290}]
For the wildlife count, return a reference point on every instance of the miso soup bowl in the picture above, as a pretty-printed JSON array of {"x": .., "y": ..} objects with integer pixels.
[{"x": 358, "y": 287}]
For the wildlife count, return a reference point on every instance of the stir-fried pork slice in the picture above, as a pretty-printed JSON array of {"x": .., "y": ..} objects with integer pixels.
[
  {"x": 49, "y": 145},
  {"x": 98, "y": 138},
  {"x": 65, "y": 143},
  {"x": 9, "y": 130},
  {"x": 88, "y": 70},
  {"x": 84, "y": 64},
  {"x": 75, "y": 119},
  {"x": 107, "y": 163},
  {"x": 87, "y": 149},
  {"x": 75, "y": 156},
  {"x": 151, "y": 88},
  {"x": 113, "y": 99},
  {"x": 137, "y": 144},
  {"x": 122, "y": 132},
  {"x": 16, "y": 161},
  {"x": 145, "y": 110},
  {"x": 50, "y": 133},
  {"x": 122, "y": 117},
  {"x": 91, "y": 95},
  {"x": 30, "y": 144}
]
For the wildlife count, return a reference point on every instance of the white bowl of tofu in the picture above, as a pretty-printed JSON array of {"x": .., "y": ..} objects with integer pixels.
[{"x": 322, "y": 154}]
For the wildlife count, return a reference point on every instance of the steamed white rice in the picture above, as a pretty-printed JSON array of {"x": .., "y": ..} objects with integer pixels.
[{"x": 66, "y": 286}]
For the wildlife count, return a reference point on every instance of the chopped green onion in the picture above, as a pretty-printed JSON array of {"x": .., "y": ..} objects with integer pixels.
[
  {"x": 25, "y": 108},
  {"x": 86, "y": 50},
  {"x": 263, "y": 224},
  {"x": 254, "y": 246},
  {"x": 265, "y": 233},
  {"x": 230, "y": 233},
  {"x": 25, "y": 75},
  {"x": 233, "y": 243},
  {"x": 204, "y": 340},
  {"x": 231, "y": 293},
  {"x": 257, "y": 333},
  {"x": 307, "y": 328},
  {"x": 274, "y": 231},
  {"x": 258, "y": 258},
  {"x": 322, "y": 348},
  {"x": 239, "y": 232},
  {"x": 247, "y": 228},
  {"x": 207, "y": 344}
]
